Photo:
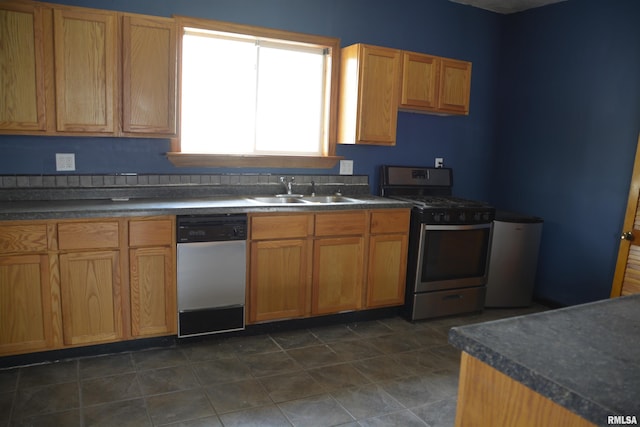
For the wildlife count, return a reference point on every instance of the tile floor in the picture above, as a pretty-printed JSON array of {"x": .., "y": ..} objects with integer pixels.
[{"x": 378, "y": 373}]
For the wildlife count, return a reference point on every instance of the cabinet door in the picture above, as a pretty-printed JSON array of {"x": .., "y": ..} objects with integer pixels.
[
  {"x": 91, "y": 297},
  {"x": 278, "y": 280},
  {"x": 85, "y": 70},
  {"x": 338, "y": 265},
  {"x": 153, "y": 291},
  {"x": 369, "y": 89},
  {"x": 22, "y": 103},
  {"x": 379, "y": 87},
  {"x": 419, "y": 81},
  {"x": 387, "y": 270},
  {"x": 25, "y": 304},
  {"x": 455, "y": 86},
  {"x": 149, "y": 75}
]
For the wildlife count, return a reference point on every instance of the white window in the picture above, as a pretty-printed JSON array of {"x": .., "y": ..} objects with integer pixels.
[{"x": 243, "y": 94}]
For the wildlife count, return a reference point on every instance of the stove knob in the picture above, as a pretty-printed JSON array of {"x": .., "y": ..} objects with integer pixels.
[
  {"x": 436, "y": 216},
  {"x": 485, "y": 216},
  {"x": 477, "y": 216},
  {"x": 462, "y": 217},
  {"x": 446, "y": 217}
]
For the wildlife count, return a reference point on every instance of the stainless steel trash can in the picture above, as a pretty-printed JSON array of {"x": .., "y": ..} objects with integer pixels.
[{"x": 514, "y": 259}]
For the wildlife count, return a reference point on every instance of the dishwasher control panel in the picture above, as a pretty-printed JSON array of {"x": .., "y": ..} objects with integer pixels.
[{"x": 211, "y": 228}]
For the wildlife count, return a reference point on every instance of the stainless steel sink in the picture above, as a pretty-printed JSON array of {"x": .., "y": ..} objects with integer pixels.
[
  {"x": 330, "y": 199},
  {"x": 283, "y": 199},
  {"x": 278, "y": 200}
]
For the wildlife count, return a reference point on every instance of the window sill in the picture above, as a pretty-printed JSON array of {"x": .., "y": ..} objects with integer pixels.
[{"x": 253, "y": 161}]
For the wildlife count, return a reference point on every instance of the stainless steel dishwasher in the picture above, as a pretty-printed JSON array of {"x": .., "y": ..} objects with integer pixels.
[{"x": 211, "y": 273}]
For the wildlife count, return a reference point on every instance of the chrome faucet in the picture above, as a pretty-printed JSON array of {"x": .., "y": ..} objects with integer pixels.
[
  {"x": 287, "y": 183},
  {"x": 313, "y": 188}
]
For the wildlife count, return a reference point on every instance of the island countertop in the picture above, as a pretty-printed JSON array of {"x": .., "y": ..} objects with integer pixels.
[{"x": 585, "y": 358}]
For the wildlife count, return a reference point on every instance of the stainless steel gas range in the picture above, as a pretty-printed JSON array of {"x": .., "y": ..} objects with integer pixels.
[{"x": 449, "y": 242}]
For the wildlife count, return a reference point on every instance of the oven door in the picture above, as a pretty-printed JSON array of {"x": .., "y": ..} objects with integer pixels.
[{"x": 452, "y": 256}]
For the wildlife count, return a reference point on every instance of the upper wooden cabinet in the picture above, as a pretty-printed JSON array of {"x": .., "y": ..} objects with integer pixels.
[
  {"x": 434, "y": 84},
  {"x": 148, "y": 75},
  {"x": 77, "y": 71},
  {"x": 22, "y": 99},
  {"x": 369, "y": 88},
  {"x": 86, "y": 68}
]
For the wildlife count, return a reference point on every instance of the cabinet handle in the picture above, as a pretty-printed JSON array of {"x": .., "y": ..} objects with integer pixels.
[{"x": 627, "y": 236}]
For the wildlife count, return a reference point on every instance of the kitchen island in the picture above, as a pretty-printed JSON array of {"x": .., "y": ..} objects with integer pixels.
[{"x": 575, "y": 366}]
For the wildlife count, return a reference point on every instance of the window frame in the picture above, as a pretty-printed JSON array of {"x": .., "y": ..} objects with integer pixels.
[{"x": 328, "y": 157}]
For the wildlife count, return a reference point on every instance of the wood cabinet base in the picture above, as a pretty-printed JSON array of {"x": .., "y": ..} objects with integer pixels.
[{"x": 487, "y": 397}]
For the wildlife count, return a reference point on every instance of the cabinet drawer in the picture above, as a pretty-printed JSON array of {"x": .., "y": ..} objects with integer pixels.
[
  {"x": 88, "y": 235},
  {"x": 341, "y": 224},
  {"x": 23, "y": 238},
  {"x": 393, "y": 221},
  {"x": 150, "y": 233},
  {"x": 280, "y": 226}
]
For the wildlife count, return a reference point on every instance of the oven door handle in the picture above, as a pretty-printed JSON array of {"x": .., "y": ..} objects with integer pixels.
[{"x": 457, "y": 227}]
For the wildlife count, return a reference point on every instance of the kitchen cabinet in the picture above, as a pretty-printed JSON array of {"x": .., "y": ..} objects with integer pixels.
[
  {"x": 152, "y": 277},
  {"x": 369, "y": 90},
  {"x": 320, "y": 263},
  {"x": 279, "y": 266},
  {"x": 338, "y": 262},
  {"x": 434, "y": 84},
  {"x": 90, "y": 282},
  {"x": 148, "y": 49},
  {"x": 22, "y": 99},
  {"x": 86, "y": 66},
  {"x": 69, "y": 70},
  {"x": 26, "y": 303},
  {"x": 387, "y": 264},
  {"x": 79, "y": 282}
]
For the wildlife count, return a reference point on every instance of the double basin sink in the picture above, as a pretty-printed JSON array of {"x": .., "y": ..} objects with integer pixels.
[{"x": 283, "y": 199}]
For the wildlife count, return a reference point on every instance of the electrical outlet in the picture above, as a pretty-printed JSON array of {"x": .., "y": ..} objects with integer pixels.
[
  {"x": 439, "y": 162},
  {"x": 346, "y": 167},
  {"x": 65, "y": 162}
]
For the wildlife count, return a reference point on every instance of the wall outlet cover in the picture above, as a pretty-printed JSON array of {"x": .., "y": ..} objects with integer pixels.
[
  {"x": 346, "y": 167},
  {"x": 65, "y": 162}
]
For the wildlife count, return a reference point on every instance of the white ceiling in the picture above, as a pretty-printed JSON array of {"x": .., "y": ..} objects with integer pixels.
[{"x": 506, "y": 6}]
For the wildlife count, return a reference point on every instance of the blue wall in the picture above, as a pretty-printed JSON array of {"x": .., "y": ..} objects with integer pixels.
[
  {"x": 569, "y": 120},
  {"x": 432, "y": 26},
  {"x": 552, "y": 129}
]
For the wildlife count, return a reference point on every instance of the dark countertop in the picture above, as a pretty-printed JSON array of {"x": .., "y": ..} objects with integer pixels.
[
  {"x": 585, "y": 358},
  {"x": 93, "y": 208}
]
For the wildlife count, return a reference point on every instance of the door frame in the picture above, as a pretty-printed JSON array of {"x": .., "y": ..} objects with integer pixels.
[{"x": 629, "y": 219}]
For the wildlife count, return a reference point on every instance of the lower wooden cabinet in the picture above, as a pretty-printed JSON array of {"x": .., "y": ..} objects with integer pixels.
[
  {"x": 337, "y": 274},
  {"x": 278, "y": 279},
  {"x": 73, "y": 283},
  {"x": 387, "y": 266},
  {"x": 279, "y": 266},
  {"x": 322, "y": 263},
  {"x": 338, "y": 261},
  {"x": 152, "y": 277},
  {"x": 91, "y": 289},
  {"x": 25, "y": 303},
  {"x": 153, "y": 291},
  {"x": 387, "y": 270}
]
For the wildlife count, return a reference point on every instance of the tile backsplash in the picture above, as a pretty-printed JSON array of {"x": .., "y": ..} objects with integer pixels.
[
  {"x": 58, "y": 187},
  {"x": 118, "y": 180}
]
